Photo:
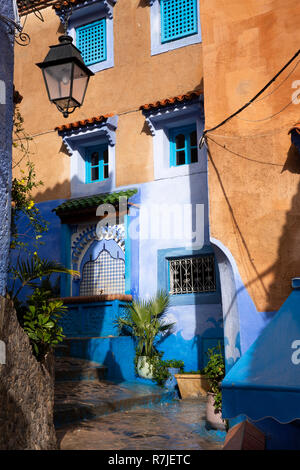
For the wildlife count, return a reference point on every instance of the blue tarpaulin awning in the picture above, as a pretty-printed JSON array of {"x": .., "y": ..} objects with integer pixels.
[{"x": 265, "y": 382}]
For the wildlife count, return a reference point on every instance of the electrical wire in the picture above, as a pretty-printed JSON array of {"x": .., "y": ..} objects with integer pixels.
[
  {"x": 249, "y": 102},
  {"x": 280, "y": 84},
  {"x": 268, "y": 117},
  {"x": 239, "y": 155}
]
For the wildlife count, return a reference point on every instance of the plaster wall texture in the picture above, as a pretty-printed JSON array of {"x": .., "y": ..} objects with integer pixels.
[
  {"x": 6, "y": 122},
  {"x": 199, "y": 323},
  {"x": 253, "y": 168},
  {"x": 136, "y": 78}
]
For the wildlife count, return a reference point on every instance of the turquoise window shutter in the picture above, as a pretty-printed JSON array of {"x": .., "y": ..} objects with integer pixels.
[
  {"x": 183, "y": 145},
  {"x": 179, "y": 18},
  {"x": 96, "y": 164},
  {"x": 91, "y": 41}
]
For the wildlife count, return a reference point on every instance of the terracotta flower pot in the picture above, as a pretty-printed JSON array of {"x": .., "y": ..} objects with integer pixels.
[
  {"x": 192, "y": 385},
  {"x": 213, "y": 419},
  {"x": 144, "y": 369}
]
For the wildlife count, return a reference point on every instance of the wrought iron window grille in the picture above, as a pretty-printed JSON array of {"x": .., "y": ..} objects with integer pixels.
[{"x": 192, "y": 275}]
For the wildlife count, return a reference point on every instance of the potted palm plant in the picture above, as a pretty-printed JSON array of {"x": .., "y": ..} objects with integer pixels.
[{"x": 144, "y": 320}]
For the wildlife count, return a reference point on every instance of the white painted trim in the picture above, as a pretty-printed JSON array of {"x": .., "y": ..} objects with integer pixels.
[
  {"x": 161, "y": 121},
  {"x": 156, "y": 45},
  {"x": 88, "y": 15},
  {"x": 78, "y": 171}
]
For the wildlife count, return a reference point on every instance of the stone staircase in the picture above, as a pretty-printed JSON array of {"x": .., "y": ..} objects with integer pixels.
[
  {"x": 71, "y": 368},
  {"x": 82, "y": 392}
]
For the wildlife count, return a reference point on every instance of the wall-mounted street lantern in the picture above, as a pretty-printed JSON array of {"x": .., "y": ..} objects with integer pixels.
[
  {"x": 66, "y": 76},
  {"x": 65, "y": 73}
]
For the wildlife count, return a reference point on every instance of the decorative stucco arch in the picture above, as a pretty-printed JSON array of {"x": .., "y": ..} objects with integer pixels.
[{"x": 230, "y": 286}]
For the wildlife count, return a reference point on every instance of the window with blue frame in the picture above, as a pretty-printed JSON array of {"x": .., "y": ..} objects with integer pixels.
[
  {"x": 189, "y": 275},
  {"x": 179, "y": 18},
  {"x": 183, "y": 145},
  {"x": 97, "y": 165},
  {"x": 91, "y": 41}
]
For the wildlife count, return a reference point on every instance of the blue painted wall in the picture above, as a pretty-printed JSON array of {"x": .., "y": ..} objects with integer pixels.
[
  {"x": 199, "y": 321},
  {"x": 51, "y": 249},
  {"x": 6, "y": 125}
]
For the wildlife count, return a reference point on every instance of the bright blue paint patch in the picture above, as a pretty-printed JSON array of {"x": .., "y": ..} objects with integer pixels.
[
  {"x": 92, "y": 319},
  {"x": 295, "y": 137},
  {"x": 127, "y": 257},
  {"x": 132, "y": 220},
  {"x": 192, "y": 352},
  {"x": 52, "y": 239},
  {"x": 296, "y": 283},
  {"x": 65, "y": 282},
  {"x": 265, "y": 381},
  {"x": 91, "y": 41}
]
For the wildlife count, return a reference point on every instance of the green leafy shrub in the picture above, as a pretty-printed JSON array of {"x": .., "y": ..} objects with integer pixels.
[
  {"x": 40, "y": 315},
  {"x": 41, "y": 322},
  {"x": 201, "y": 372},
  {"x": 175, "y": 364},
  {"x": 160, "y": 368},
  {"x": 215, "y": 373}
]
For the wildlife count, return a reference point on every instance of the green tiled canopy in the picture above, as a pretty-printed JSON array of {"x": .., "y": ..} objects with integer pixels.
[{"x": 80, "y": 203}]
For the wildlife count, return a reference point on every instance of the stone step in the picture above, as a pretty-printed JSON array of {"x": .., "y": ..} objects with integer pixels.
[
  {"x": 74, "y": 369},
  {"x": 75, "y": 401}
]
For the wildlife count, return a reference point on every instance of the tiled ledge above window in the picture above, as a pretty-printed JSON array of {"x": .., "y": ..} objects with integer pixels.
[
  {"x": 164, "y": 118},
  {"x": 174, "y": 24},
  {"x": 91, "y": 27},
  {"x": 79, "y": 138}
]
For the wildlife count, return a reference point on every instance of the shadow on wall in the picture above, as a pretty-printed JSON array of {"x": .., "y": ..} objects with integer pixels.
[
  {"x": 288, "y": 257},
  {"x": 59, "y": 191},
  {"x": 113, "y": 367}
]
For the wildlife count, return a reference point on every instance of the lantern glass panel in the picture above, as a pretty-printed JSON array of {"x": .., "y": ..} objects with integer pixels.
[
  {"x": 58, "y": 79},
  {"x": 80, "y": 81}
]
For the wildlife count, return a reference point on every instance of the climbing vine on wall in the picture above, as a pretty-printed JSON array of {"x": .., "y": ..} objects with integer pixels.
[{"x": 40, "y": 314}]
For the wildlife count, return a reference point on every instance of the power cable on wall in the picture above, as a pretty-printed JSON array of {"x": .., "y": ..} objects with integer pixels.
[
  {"x": 239, "y": 155},
  {"x": 249, "y": 102},
  {"x": 268, "y": 117},
  {"x": 53, "y": 130}
]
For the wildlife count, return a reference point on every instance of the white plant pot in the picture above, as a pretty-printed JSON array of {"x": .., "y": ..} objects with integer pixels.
[
  {"x": 144, "y": 369},
  {"x": 213, "y": 419}
]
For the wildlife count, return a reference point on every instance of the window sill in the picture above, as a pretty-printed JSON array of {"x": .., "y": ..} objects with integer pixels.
[
  {"x": 96, "y": 298},
  {"x": 172, "y": 45},
  {"x": 195, "y": 299}
]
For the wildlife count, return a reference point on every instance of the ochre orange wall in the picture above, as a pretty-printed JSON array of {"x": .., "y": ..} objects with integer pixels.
[
  {"x": 137, "y": 78},
  {"x": 254, "y": 184}
]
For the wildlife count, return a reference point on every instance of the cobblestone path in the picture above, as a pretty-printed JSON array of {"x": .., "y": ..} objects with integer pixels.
[{"x": 179, "y": 425}]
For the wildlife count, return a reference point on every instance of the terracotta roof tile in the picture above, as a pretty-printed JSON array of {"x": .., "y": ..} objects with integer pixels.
[
  {"x": 169, "y": 101},
  {"x": 57, "y": 6},
  {"x": 295, "y": 127},
  {"x": 83, "y": 123},
  {"x": 25, "y": 7}
]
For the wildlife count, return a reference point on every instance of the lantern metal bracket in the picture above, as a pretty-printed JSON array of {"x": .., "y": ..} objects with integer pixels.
[
  {"x": 16, "y": 29},
  {"x": 66, "y": 10}
]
